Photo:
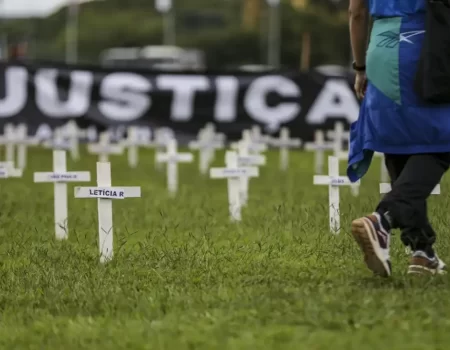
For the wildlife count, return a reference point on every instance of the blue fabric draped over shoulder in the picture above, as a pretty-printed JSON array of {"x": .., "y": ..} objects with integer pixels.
[{"x": 392, "y": 118}]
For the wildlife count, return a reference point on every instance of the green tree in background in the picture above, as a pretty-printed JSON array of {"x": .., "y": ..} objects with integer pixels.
[{"x": 214, "y": 26}]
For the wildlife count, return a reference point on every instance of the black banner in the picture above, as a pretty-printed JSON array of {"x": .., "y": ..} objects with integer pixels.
[{"x": 51, "y": 94}]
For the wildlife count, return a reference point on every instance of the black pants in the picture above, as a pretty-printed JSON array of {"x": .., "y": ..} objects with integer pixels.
[{"x": 413, "y": 177}]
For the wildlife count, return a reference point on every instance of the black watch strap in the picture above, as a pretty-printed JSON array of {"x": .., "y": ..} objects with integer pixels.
[{"x": 358, "y": 68}]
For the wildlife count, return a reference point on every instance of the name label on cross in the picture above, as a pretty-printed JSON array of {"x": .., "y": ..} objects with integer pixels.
[
  {"x": 67, "y": 176},
  {"x": 107, "y": 193},
  {"x": 235, "y": 172},
  {"x": 180, "y": 157},
  {"x": 60, "y": 145},
  {"x": 338, "y": 181},
  {"x": 251, "y": 159}
]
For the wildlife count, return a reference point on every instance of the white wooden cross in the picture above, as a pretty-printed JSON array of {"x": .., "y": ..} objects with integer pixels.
[
  {"x": 8, "y": 139},
  {"x": 161, "y": 137},
  {"x": 90, "y": 134},
  {"x": 210, "y": 129},
  {"x": 245, "y": 159},
  {"x": 210, "y": 132},
  {"x": 23, "y": 141},
  {"x": 73, "y": 133},
  {"x": 284, "y": 143},
  {"x": 206, "y": 144},
  {"x": 338, "y": 135},
  {"x": 384, "y": 175},
  {"x": 105, "y": 194},
  {"x": 172, "y": 158},
  {"x": 135, "y": 139},
  {"x": 132, "y": 142},
  {"x": 58, "y": 141},
  {"x": 386, "y": 187},
  {"x": 60, "y": 177},
  {"x": 7, "y": 170},
  {"x": 233, "y": 173},
  {"x": 257, "y": 135},
  {"x": 333, "y": 181},
  {"x": 319, "y": 146},
  {"x": 252, "y": 146},
  {"x": 104, "y": 148}
]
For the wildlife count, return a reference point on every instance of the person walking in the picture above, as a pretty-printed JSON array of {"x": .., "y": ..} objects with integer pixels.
[{"x": 413, "y": 136}]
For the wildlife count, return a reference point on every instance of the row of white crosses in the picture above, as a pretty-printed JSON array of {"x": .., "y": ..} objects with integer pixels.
[
  {"x": 248, "y": 155},
  {"x": 104, "y": 148},
  {"x": 136, "y": 138},
  {"x": 319, "y": 146},
  {"x": 104, "y": 192},
  {"x": 241, "y": 164},
  {"x": 234, "y": 175},
  {"x": 172, "y": 158},
  {"x": 7, "y": 170},
  {"x": 72, "y": 133},
  {"x": 8, "y": 141},
  {"x": 285, "y": 143},
  {"x": 338, "y": 137},
  {"x": 208, "y": 141},
  {"x": 246, "y": 159},
  {"x": 334, "y": 181},
  {"x": 17, "y": 136},
  {"x": 253, "y": 147}
]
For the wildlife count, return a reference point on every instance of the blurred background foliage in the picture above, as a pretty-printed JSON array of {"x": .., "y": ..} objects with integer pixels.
[{"x": 230, "y": 32}]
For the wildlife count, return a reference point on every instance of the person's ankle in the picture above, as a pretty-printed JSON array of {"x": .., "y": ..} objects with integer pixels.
[
  {"x": 385, "y": 220},
  {"x": 426, "y": 248}
]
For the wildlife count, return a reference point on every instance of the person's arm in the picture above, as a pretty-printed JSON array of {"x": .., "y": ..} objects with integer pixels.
[{"x": 359, "y": 28}]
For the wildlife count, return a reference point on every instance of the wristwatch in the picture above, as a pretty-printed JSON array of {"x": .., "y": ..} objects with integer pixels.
[{"x": 358, "y": 69}]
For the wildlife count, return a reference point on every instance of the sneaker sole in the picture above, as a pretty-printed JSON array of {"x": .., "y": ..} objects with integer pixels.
[
  {"x": 373, "y": 256},
  {"x": 421, "y": 270}
]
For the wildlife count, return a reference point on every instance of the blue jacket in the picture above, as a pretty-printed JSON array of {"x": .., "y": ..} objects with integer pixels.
[
  {"x": 395, "y": 8},
  {"x": 392, "y": 118}
]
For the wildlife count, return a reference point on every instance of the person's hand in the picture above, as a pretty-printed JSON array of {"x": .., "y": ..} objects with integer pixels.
[{"x": 360, "y": 84}]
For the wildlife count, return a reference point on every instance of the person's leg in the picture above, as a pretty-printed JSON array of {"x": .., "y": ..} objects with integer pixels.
[
  {"x": 403, "y": 207},
  {"x": 406, "y": 208},
  {"x": 372, "y": 232},
  {"x": 394, "y": 165}
]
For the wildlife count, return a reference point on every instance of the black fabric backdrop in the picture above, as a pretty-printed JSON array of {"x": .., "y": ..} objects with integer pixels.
[{"x": 53, "y": 93}]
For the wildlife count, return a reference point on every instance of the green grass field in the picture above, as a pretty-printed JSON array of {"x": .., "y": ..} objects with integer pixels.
[{"x": 184, "y": 277}]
